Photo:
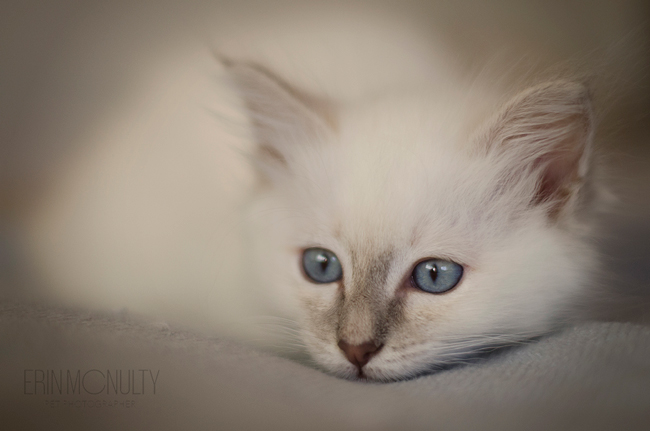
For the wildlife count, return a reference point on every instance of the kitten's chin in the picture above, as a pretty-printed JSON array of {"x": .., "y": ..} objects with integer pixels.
[
  {"x": 378, "y": 372},
  {"x": 375, "y": 374}
]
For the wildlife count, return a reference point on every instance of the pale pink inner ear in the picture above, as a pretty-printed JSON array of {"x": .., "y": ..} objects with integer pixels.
[
  {"x": 545, "y": 134},
  {"x": 282, "y": 116},
  {"x": 559, "y": 171},
  {"x": 560, "y": 165}
]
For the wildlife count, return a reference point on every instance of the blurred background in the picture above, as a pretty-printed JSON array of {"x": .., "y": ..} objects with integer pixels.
[{"x": 72, "y": 72}]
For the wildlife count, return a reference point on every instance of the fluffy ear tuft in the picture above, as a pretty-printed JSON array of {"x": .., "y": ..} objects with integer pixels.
[
  {"x": 284, "y": 119},
  {"x": 544, "y": 135}
]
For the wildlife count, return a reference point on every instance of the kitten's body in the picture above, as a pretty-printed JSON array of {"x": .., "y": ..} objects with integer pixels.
[{"x": 383, "y": 181}]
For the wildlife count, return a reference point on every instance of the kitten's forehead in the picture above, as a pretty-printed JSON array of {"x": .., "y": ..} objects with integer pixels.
[
  {"x": 397, "y": 173},
  {"x": 397, "y": 166}
]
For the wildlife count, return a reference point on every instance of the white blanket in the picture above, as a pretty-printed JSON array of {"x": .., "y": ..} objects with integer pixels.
[{"x": 591, "y": 377}]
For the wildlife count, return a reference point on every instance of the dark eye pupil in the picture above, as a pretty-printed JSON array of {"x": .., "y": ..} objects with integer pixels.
[
  {"x": 323, "y": 260},
  {"x": 433, "y": 272}
]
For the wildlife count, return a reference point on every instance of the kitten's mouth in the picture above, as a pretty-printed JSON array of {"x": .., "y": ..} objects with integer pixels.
[
  {"x": 361, "y": 375},
  {"x": 366, "y": 377}
]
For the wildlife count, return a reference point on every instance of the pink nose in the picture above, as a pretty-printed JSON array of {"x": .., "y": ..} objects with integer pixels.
[{"x": 360, "y": 354}]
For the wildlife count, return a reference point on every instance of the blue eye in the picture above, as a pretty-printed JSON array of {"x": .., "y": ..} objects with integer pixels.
[
  {"x": 321, "y": 266},
  {"x": 437, "y": 275}
]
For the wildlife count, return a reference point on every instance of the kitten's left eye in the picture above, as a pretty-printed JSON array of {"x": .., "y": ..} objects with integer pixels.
[
  {"x": 437, "y": 275},
  {"x": 321, "y": 265}
]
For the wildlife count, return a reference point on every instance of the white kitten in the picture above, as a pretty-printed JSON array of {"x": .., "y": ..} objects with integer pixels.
[
  {"x": 413, "y": 231},
  {"x": 399, "y": 233}
]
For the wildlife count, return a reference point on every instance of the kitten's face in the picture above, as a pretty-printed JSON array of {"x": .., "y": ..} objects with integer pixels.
[{"x": 396, "y": 185}]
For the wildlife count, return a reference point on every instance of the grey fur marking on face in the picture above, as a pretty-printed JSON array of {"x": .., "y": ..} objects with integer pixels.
[{"x": 366, "y": 308}]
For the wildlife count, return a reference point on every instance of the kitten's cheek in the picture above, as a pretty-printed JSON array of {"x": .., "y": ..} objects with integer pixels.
[{"x": 330, "y": 358}]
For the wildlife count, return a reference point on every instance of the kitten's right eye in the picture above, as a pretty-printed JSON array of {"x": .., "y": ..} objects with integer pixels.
[
  {"x": 321, "y": 265},
  {"x": 437, "y": 275}
]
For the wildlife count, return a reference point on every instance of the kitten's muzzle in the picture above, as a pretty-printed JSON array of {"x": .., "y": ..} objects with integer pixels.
[{"x": 360, "y": 354}]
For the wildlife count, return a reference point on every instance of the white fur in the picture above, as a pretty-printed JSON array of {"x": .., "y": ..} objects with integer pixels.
[
  {"x": 402, "y": 175},
  {"x": 166, "y": 218}
]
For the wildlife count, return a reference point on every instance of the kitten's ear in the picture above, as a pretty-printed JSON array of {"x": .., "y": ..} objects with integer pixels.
[
  {"x": 543, "y": 136},
  {"x": 284, "y": 119}
]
